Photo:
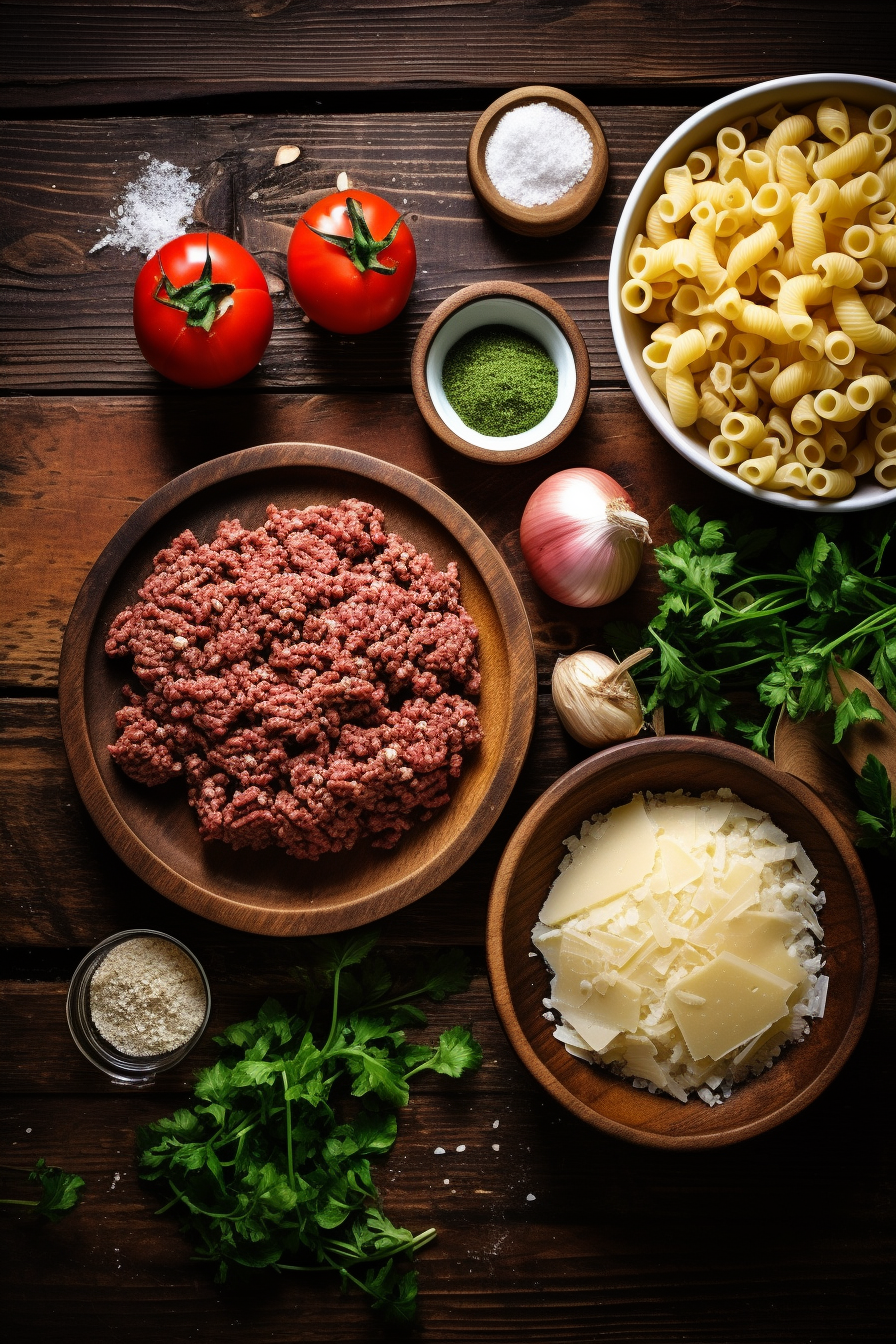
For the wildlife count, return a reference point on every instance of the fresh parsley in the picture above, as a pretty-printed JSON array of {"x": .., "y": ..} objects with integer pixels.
[
  {"x": 60, "y": 1191},
  {"x": 270, "y": 1165},
  {"x": 877, "y": 816},
  {"x": 754, "y": 614}
]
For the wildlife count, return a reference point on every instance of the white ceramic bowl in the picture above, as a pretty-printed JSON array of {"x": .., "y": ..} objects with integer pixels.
[
  {"x": 629, "y": 330},
  {"x": 532, "y": 321}
]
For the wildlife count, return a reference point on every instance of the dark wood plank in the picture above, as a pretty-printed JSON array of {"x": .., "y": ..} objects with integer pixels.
[
  {"x": 64, "y": 887},
  {"x": 619, "y": 1244},
  {"x": 67, "y": 313},
  {"x": 66, "y": 496},
  {"x": 66, "y": 53}
]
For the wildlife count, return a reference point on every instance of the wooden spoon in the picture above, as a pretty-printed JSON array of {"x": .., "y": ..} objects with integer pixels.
[
  {"x": 861, "y": 738},
  {"x": 806, "y": 749}
]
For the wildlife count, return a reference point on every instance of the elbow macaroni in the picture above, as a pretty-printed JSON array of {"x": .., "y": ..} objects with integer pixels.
[{"x": 766, "y": 276}]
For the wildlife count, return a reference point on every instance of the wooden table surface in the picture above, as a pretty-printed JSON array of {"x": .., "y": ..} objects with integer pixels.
[{"x": 784, "y": 1239}]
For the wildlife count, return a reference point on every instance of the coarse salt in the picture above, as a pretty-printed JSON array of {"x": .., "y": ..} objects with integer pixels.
[
  {"x": 537, "y": 153},
  {"x": 156, "y": 207}
]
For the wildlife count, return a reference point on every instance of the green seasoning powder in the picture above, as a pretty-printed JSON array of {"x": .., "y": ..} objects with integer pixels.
[{"x": 499, "y": 381}]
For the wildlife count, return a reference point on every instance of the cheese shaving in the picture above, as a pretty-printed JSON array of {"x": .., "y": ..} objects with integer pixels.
[{"x": 680, "y": 937}]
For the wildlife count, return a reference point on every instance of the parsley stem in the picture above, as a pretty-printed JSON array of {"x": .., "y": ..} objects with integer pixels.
[
  {"x": 30, "y": 1203},
  {"x": 870, "y": 623},
  {"x": 425, "y": 1065},
  {"x": 331, "y": 1037},
  {"x": 298, "y": 1269},
  {"x": 292, "y": 1175},
  {"x": 411, "y": 1244},
  {"x": 722, "y": 671}
]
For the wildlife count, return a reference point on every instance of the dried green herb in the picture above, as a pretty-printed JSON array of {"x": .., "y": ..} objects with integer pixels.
[
  {"x": 270, "y": 1166},
  {"x": 499, "y": 381}
]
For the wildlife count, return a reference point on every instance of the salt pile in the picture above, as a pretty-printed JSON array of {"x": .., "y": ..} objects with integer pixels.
[
  {"x": 155, "y": 208},
  {"x": 537, "y": 153}
]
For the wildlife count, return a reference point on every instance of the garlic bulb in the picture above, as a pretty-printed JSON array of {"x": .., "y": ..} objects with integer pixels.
[{"x": 596, "y": 699}]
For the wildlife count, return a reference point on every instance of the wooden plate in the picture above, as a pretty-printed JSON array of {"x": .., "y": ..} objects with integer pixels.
[
  {"x": 539, "y": 221},
  {"x": 520, "y": 982},
  {"x": 155, "y": 830}
]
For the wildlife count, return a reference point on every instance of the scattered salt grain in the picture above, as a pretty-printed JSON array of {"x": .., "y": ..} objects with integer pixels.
[
  {"x": 439, "y": 1152},
  {"x": 495, "y": 1124},
  {"x": 156, "y": 207},
  {"x": 447, "y": 1180},
  {"x": 530, "y": 1199},
  {"x": 537, "y": 153},
  {"x": 496, "y": 1147},
  {"x": 28, "y": 1131},
  {"x": 461, "y": 1148}
]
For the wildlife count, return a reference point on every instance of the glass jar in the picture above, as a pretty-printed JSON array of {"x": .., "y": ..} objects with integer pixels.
[{"x": 130, "y": 1070}]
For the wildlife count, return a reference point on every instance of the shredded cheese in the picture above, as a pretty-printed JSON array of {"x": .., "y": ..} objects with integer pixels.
[{"x": 680, "y": 935}]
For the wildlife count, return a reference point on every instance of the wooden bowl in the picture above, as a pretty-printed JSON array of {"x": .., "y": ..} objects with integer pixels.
[
  {"x": 507, "y": 304},
  {"x": 155, "y": 831},
  {"x": 520, "y": 982},
  {"x": 538, "y": 221}
]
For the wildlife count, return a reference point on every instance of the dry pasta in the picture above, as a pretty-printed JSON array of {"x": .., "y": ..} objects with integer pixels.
[{"x": 773, "y": 251}]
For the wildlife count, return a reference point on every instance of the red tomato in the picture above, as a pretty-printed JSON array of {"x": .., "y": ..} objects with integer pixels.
[
  {"x": 358, "y": 275},
  {"x": 212, "y": 320}
]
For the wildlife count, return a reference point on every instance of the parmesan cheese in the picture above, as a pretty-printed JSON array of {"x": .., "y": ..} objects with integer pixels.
[{"x": 680, "y": 935}]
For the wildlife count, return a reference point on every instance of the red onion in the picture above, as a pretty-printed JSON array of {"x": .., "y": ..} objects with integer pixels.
[{"x": 581, "y": 538}]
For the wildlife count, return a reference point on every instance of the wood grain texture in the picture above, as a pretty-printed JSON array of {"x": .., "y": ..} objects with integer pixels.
[
  {"x": 268, "y": 892},
  {"x": 63, "y": 886},
  {"x": 74, "y": 468},
  {"x": 868, "y": 736},
  {"x": 805, "y": 748},
  {"x": 520, "y": 982},
  {"x": 574, "y": 1264},
  {"x": 66, "y": 319},
  {"x": 60, "y": 52}
]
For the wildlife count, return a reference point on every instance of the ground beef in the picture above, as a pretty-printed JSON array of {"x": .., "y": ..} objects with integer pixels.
[{"x": 302, "y": 678}]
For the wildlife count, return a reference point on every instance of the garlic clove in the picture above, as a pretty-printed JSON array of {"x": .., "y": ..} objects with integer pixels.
[{"x": 596, "y": 700}]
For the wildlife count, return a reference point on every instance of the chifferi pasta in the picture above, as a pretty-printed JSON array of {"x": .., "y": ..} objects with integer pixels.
[{"x": 767, "y": 278}]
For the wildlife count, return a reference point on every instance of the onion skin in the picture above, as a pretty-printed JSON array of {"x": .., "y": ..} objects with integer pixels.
[{"x": 578, "y": 552}]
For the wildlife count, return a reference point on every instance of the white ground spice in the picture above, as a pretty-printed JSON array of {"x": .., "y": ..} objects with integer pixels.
[
  {"x": 146, "y": 997},
  {"x": 537, "y": 153}
]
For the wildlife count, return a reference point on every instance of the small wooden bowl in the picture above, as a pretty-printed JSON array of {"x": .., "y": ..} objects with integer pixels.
[
  {"x": 506, "y": 304},
  {"x": 520, "y": 982},
  {"x": 537, "y": 221},
  {"x": 155, "y": 831}
]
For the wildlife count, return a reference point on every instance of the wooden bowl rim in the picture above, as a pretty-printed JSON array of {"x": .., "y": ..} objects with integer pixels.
[
  {"x": 497, "y": 907},
  {"x": 221, "y": 908},
  {"x": 538, "y": 220},
  {"x": 527, "y": 294}
]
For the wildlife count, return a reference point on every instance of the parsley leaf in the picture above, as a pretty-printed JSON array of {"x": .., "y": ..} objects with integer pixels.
[
  {"x": 877, "y": 818},
  {"x": 269, "y": 1168},
  {"x": 60, "y": 1191},
  {"x": 751, "y": 616},
  {"x": 854, "y": 708}
]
